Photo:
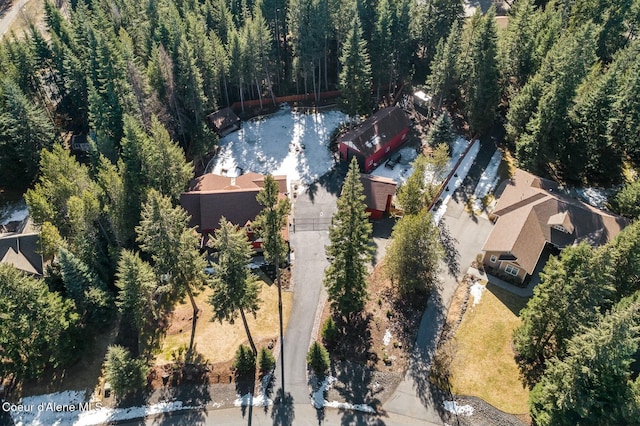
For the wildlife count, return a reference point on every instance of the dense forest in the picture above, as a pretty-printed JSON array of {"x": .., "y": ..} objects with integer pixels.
[{"x": 563, "y": 79}]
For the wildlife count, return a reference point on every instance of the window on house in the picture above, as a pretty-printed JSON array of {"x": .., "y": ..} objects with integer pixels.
[
  {"x": 493, "y": 259},
  {"x": 387, "y": 149},
  {"x": 512, "y": 270}
]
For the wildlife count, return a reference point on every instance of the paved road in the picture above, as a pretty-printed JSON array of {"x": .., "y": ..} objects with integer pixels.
[
  {"x": 297, "y": 414},
  {"x": 308, "y": 272},
  {"x": 415, "y": 396},
  {"x": 7, "y": 18}
]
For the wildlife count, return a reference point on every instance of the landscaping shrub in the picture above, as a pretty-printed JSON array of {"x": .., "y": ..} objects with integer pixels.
[
  {"x": 318, "y": 359},
  {"x": 245, "y": 362},
  {"x": 266, "y": 361},
  {"x": 329, "y": 332}
]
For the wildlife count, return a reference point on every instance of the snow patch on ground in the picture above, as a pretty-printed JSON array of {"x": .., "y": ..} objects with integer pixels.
[
  {"x": 488, "y": 180},
  {"x": 596, "y": 197},
  {"x": 386, "y": 339},
  {"x": 285, "y": 143},
  {"x": 13, "y": 212},
  {"x": 456, "y": 181},
  {"x": 41, "y": 414},
  {"x": 248, "y": 399},
  {"x": 259, "y": 400},
  {"x": 346, "y": 406},
  {"x": 476, "y": 291},
  {"x": 400, "y": 171},
  {"x": 318, "y": 401},
  {"x": 462, "y": 410}
]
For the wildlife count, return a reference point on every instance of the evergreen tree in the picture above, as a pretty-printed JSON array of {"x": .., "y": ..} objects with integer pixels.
[
  {"x": 627, "y": 201},
  {"x": 592, "y": 385},
  {"x": 443, "y": 70},
  {"x": 441, "y": 132},
  {"x": 572, "y": 290},
  {"x": 431, "y": 22},
  {"x": 137, "y": 296},
  {"x": 478, "y": 69},
  {"x": 93, "y": 300},
  {"x": 125, "y": 373},
  {"x": 545, "y": 133},
  {"x": 175, "y": 250},
  {"x": 66, "y": 196},
  {"x": 349, "y": 251},
  {"x": 39, "y": 327},
  {"x": 235, "y": 289},
  {"x": 355, "y": 75},
  {"x": 25, "y": 129},
  {"x": 414, "y": 254},
  {"x": 517, "y": 44},
  {"x": 411, "y": 194},
  {"x": 318, "y": 360},
  {"x": 269, "y": 224}
]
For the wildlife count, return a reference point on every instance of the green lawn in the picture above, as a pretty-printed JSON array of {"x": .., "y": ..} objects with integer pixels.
[{"x": 483, "y": 363}]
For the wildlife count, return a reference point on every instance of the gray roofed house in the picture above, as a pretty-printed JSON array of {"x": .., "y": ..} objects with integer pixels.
[{"x": 20, "y": 249}]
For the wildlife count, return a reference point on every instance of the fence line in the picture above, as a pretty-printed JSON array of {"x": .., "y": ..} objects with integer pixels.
[{"x": 280, "y": 99}]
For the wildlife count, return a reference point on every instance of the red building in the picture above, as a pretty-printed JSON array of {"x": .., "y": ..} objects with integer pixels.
[
  {"x": 378, "y": 192},
  {"x": 375, "y": 139}
]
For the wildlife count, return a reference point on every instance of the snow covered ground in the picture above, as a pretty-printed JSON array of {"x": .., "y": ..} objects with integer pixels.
[
  {"x": 13, "y": 212},
  {"x": 71, "y": 408},
  {"x": 461, "y": 410},
  {"x": 287, "y": 142},
  {"x": 318, "y": 401},
  {"x": 456, "y": 181},
  {"x": 403, "y": 170},
  {"x": 488, "y": 180},
  {"x": 260, "y": 400},
  {"x": 476, "y": 291}
]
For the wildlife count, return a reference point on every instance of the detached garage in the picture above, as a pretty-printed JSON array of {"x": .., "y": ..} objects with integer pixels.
[{"x": 375, "y": 139}]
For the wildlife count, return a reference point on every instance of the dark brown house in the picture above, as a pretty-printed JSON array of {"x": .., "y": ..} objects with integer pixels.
[
  {"x": 210, "y": 197},
  {"x": 224, "y": 121}
]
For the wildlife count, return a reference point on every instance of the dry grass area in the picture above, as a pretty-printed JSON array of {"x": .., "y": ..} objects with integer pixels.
[
  {"x": 217, "y": 342},
  {"x": 483, "y": 363}
]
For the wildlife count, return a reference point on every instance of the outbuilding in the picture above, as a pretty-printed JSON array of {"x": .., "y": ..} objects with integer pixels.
[
  {"x": 224, "y": 121},
  {"x": 378, "y": 192},
  {"x": 375, "y": 139}
]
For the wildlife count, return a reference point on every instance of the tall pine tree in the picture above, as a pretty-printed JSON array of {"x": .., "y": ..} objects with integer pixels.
[
  {"x": 355, "y": 76},
  {"x": 349, "y": 251}
]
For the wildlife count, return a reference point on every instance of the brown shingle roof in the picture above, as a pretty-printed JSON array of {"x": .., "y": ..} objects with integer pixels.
[
  {"x": 377, "y": 191},
  {"x": 376, "y": 131},
  {"x": 529, "y": 208},
  {"x": 223, "y": 119},
  {"x": 210, "y": 197}
]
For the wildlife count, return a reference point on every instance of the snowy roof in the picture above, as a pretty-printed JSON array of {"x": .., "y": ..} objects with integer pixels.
[{"x": 376, "y": 131}]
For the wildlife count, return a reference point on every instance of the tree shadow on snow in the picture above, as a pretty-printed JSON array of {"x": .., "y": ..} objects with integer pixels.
[{"x": 330, "y": 181}]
